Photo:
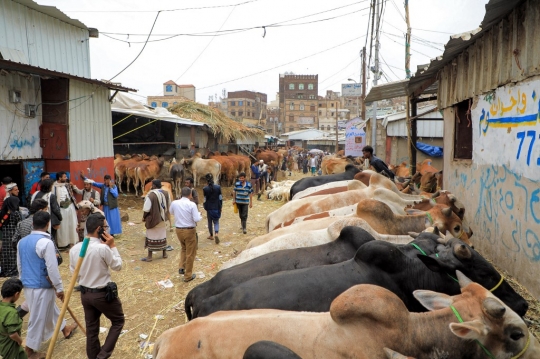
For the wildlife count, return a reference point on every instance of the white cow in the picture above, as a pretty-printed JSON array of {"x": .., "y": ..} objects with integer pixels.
[
  {"x": 312, "y": 238},
  {"x": 200, "y": 167},
  {"x": 327, "y": 186}
]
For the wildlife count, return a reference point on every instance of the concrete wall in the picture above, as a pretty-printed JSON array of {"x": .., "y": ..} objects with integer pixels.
[
  {"x": 400, "y": 151},
  {"x": 500, "y": 186}
]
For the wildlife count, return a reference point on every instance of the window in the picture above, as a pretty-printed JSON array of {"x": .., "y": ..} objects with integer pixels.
[
  {"x": 291, "y": 106},
  {"x": 233, "y": 113},
  {"x": 248, "y": 103},
  {"x": 312, "y": 97},
  {"x": 153, "y": 104},
  {"x": 312, "y": 108},
  {"x": 291, "y": 86},
  {"x": 300, "y": 95},
  {"x": 301, "y": 107},
  {"x": 240, "y": 103},
  {"x": 240, "y": 113},
  {"x": 291, "y": 118},
  {"x": 320, "y": 105},
  {"x": 249, "y": 114},
  {"x": 300, "y": 86},
  {"x": 463, "y": 144},
  {"x": 320, "y": 113},
  {"x": 233, "y": 103},
  {"x": 164, "y": 104},
  {"x": 327, "y": 127},
  {"x": 310, "y": 86},
  {"x": 168, "y": 88},
  {"x": 291, "y": 128},
  {"x": 332, "y": 105}
]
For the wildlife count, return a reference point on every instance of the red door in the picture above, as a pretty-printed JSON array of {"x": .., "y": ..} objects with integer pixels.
[{"x": 54, "y": 141}]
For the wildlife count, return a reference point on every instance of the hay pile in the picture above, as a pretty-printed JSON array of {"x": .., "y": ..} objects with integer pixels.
[{"x": 220, "y": 125}]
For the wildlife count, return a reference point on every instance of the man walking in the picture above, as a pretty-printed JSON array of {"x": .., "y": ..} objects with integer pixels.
[
  {"x": 155, "y": 214},
  {"x": 313, "y": 164},
  {"x": 98, "y": 294},
  {"x": 109, "y": 200},
  {"x": 186, "y": 216},
  {"x": 194, "y": 195},
  {"x": 66, "y": 235},
  {"x": 243, "y": 197},
  {"x": 263, "y": 179},
  {"x": 38, "y": 269},
  {"x": 255, "y": 179},
  {"x": 88, "y": 193},
  {"x": 213, "y": 203}
]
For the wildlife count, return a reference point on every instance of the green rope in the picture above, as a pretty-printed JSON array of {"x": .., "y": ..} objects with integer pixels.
[{"x": 456, "y": 313}]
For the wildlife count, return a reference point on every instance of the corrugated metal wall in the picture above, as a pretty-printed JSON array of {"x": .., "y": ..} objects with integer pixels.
[
  {"x": 90, "y": 122},
  {"x": 430, "y": 129},
  {"x": 19, "y": 135},
  {"x": 509, "y": 52},
  {"x": 46, "y": 41}
]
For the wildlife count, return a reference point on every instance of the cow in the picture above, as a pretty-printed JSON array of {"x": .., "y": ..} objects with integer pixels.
[
  {"x": 311, "y": 205},
  {"x": 339, "y": 250},
  {"x": 389, "y": 353},
  {"x": 120, "y": 170},
  {"x": 200, "y": 167},
  {"x": 265, "y": 349},
  {"x": 229, "y": 167},
  {"x": 399, "y": 268},
  {"x": 426, "y": 167},
  {"x": 176, "y": 173},
  {"x": 332, "y": 165},
  {"x": 327, "y": 188},
  {"x": 165, "y": 186},
  {"x": 307, "y": 182},
  {"x": 309, "y": 238},
  {"x": 401, "y": 170},
  {"x": 148, "y": 170},
  {"x": 360, "y": 323}
]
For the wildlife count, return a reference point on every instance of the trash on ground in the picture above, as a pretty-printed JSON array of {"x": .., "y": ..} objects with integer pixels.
[
  {"x": 165, "y": 283},
  {"x": 143, "y": 336},
  {"x": 102, "y": 330}
]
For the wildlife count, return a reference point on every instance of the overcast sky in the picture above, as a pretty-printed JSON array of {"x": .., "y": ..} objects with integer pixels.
[{"x": 211, "y": 63}]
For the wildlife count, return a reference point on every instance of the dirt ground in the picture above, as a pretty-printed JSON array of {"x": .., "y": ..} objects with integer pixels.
[{"x": 151, "y": 309}]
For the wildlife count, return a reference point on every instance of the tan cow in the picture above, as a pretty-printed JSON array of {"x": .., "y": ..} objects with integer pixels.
[
  {"x": 362, "y": 321},
  {"x": 390, "y": 354},
  {"x": 200, "y": 167},
  {"x": 401, "y": 170},
  {"x": 120, "y": 169},
  {"x": 332, "y": 165},
  {"x": 229, "y": 167}
]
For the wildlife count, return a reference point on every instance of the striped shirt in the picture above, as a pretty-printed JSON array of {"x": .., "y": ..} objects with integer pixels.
[{"x": 243, "y": 192}]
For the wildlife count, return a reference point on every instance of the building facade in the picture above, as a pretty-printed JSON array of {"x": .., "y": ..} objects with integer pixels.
[
  {"x": 172, "y": 94},
  {"x": 248, "y": 105},
  {"x": 330, "y": 111},
  {"x": 53, "y": 115},
  {"x": 298, "y": 101}
]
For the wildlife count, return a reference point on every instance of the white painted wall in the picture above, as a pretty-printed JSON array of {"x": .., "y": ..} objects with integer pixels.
[{"x": 19, "y": 135}]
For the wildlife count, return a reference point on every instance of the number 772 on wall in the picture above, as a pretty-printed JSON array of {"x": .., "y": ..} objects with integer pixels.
[{"x": 521, "y": 136}]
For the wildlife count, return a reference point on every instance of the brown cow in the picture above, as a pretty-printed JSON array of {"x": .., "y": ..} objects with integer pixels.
[
  {"x": 332, "y": 165},
  {"x": 120, "y": 169},
  {"x": 229, "y": 167},
  {"x": 401, "y": 170},
  {"x": 426, "y": 167},
  {"x": 147, "y": 170}
]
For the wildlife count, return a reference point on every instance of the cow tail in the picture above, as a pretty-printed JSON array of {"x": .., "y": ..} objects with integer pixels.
[{"x": 188, "y": 306}]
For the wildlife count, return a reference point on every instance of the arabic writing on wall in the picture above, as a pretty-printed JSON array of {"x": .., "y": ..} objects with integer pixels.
[
  {"x": 505, "y": 128},
  {"x": 355, "y": 138}
]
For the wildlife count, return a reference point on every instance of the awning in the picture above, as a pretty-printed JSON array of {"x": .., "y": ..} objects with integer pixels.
[
  {"x": 396, "y": 89},
  {"x": 35, "y": 70},
  {"x": 125, "y": 104}
]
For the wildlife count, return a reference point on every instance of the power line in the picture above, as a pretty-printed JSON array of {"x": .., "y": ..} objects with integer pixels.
[
  {"x": 183, "y": 9},
  {"x": 417, "y": 40},
  {"x": 399, "y": 12},
  {"x": 440, "y": 32},
  {"x": 152, "y": 29},
  {"x": 285, "y": 64},
  {"x": 392, "y": 71},
  {"x": 404, "y": 46}
]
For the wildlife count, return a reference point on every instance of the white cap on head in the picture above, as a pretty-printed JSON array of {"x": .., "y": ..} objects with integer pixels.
[
  {"x": 10, "y": 186},
  {"x": 87, "y": 181},
  {"x": 261, "y": 161}
]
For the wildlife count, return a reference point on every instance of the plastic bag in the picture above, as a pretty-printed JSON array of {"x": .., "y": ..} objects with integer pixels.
[{"x": 235, "y": 207}]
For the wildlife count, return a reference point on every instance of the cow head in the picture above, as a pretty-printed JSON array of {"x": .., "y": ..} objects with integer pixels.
[
  {"x": 390, "y": 354},
  {"x": 445, "y": 219},
  {"x": 501, "y": 331},
  {"x": 456, "y": 255},
  {"x": 428, "y": 182}
]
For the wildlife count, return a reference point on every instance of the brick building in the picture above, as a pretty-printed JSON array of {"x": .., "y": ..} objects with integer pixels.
[
  {"x": 172, "y": 94},
  {"x": 298, "y": 101},
  {"x": 248, "y": 105}
]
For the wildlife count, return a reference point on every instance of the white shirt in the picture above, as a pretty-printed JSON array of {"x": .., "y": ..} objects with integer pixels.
[
  {"x": 99, "y": 258},
  {"x": 185, "y": 213},
  {"x": 313, "y": 162},
  {"x": 45, "y": 249}
]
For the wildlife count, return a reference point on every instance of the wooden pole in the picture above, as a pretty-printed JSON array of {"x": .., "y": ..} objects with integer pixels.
[
  {"x": 414, "y": 135},
  {"x": 407, "y": 42},
  {"x": 364, "y": 84},
  {"x": 409, "y": 133},
  {"x": 66, "y": 298}
]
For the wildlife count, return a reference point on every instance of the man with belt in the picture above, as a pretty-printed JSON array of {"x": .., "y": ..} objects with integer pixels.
[
  {"x": 95, "y": 281},
  {"x": 186, "y": 215},
  {"x": 66, "y": 235},
  {"x": 109, "y": 200}
]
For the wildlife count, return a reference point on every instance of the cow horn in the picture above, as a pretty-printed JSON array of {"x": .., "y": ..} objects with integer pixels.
[
  {"x": 494, "y": 308},
  {"x": 390, "y": 354},
  {"x": 463, "y": 280},
  {"x": 406, "y": 183},
  {"x": 414, "y": 234},
  {"x": 447, "y": 211},
  {"x": 452, "y": 198},
  {"x": 462, "y": 251},
  {"x": 436, "y": 231},
  {"x": 436, "y": 194}
]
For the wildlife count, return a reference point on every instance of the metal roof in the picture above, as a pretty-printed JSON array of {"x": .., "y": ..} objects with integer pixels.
[
  {"x": 395, "y": 89},
  {"x": 429, "y": 111},
  {"x": 34, "y": 70},
  {"x": 51, "y": 11}
]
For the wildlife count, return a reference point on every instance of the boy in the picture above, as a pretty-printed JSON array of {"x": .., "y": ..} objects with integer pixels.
[{"x": 10, "y": 322}]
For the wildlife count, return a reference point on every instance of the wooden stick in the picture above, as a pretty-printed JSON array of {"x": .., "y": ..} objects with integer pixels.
[
  {"x": 76, "y": 320},
  {"x": 67, "y": 297}
]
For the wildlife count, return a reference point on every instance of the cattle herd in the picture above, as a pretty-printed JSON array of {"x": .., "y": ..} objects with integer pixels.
[{"x": 355, "y": 265}]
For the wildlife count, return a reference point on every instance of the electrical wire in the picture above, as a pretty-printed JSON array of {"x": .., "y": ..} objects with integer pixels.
[
  {"x": 392, "y": 71},
  {"x": 285, "y": 64},
  {"x": 182, "y": 9},
  {"x": 415, "y": 40},
  {"x": 404, "y": 46},
  {"x": 146, "y": 43},
  {"x": 399, "y": 11},
  {"x": 440, "y": 32}
]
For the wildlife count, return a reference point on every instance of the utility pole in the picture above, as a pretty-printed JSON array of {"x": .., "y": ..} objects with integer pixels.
[
  {"x": 407, "y": 42},
  {"x": 364, "y": 84},
  {"x": 375, "y": 79}
]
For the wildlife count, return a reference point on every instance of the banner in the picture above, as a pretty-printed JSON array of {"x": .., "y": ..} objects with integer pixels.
[{"x": 355, "y": 137}]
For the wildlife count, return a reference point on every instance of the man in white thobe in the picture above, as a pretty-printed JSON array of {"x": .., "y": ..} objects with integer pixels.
[
  {"x": 38, "y": 269},
  {"x": 67, "y": 234}
]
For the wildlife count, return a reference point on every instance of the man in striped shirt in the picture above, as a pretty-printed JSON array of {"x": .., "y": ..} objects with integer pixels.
[{"x": 243, "y": 197}]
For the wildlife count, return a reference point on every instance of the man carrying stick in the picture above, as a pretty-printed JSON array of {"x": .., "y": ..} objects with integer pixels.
[
  {"x": 38, "y": 268},
  {"x": 98, "y": 294}
]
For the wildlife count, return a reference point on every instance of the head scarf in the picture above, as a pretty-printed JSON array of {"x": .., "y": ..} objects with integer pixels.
[
  {"x": 11, "y": 204},
  {"x": 10, "y": 186}
]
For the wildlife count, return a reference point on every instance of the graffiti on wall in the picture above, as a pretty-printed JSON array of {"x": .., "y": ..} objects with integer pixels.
[
  {"x": 505, "y": 128},
  {"x": 505, "y": 209}
]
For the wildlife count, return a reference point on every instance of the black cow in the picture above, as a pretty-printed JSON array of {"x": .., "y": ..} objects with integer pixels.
[
  {"x": 376, "y": 262},
  {"x": 340, "y": 250},
  {"x": 308, "y": 182},
  {"x": 269, "y": 350}
]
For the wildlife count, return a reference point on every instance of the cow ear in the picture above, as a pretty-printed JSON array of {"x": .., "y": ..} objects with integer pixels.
[
  {"x": 433, "y": 300},
  {"x": 468, "y": 330},
  {"x": 430, "y": 262}
]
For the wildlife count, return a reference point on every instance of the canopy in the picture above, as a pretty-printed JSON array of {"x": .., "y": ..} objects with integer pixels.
[{"x": 127, "y": 105}]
